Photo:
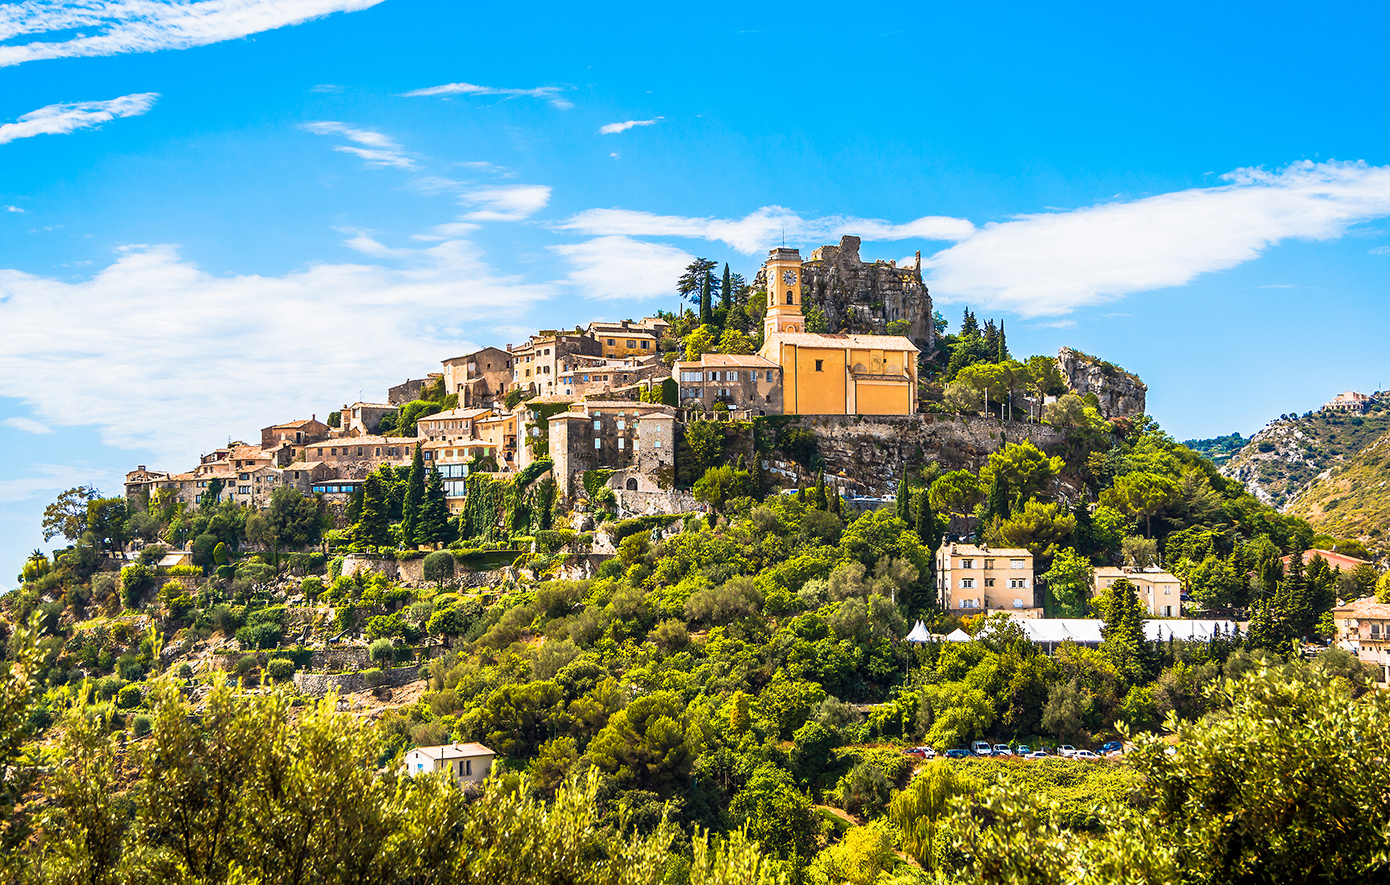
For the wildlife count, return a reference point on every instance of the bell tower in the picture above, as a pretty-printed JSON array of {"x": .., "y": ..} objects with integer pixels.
[{"x": 783, "y": 293}]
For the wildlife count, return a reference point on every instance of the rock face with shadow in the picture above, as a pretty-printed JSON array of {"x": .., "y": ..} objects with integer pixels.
[{"x": 1121, "y": 393}]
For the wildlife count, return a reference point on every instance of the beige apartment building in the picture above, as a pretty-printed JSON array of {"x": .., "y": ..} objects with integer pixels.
[
  {"x": 1159, "y": 592},
  {"x": 972, "y": 580},
  {"x": 1363, "y": 628},
  {"x": 465, "y": 763}
]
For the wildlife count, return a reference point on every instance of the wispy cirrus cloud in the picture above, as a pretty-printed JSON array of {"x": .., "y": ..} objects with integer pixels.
[
  {"x": 1053, "y": 263},
  {"x": 758, "y": 230},
  {"x": 514, "y": 202},
  {"x": 615, "y": 128},
  {"x": 28, "y": 425},
  {"x": 552, "y": 94},
  {"x": 377, "y": 150},
  {"x": 245, "y": 350},
  {"x": 615, "y": 267},
  {"x": 58, "y": 119},
  {"x": 114, "y": 27}
]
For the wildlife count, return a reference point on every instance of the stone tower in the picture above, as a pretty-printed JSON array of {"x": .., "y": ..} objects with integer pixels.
[{"x": 783, "y": 277}]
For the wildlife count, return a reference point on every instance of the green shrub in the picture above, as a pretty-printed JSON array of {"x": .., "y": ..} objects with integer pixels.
[
  {"x": 129, "y": 697},
  {"x": 130, "y": 668},
  {"x": 439, "y": 566},
  {"x": 246, "y": 664},
  {"x": 258, "y": 636},
  {"x": 184, "y": 571},
  {"x": 335, "y": 567},
  {"x": 136, "y": 580},
  {"x": 184, "y": 671},
  {"x": 311, "y": 587},
  {"x": 140, "y": 724},
  {"x": 381, "y": 651},
  {"x": 374, "y": 677},
  {"x": 280, "y": 669}
]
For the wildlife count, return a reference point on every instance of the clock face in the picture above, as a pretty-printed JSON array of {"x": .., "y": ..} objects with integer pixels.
[{"x": 789, "y": 277}]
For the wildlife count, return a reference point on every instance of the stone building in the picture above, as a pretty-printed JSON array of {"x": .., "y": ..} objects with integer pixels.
[
  {"x": 536, "y": 364},
  {"x": 739, "y": 381},
  {"x": 1363, "y": 628},
  {"x": 623, "y": 339},
  {"x": 974, "y": 580},
  {"x": 297, "y": 433},
  {"x": 355, "y": 457},
  {"x": 479, "y": 378},
  {"x": 361, "y": 419},
  {"x": 636, "y": 440},
  {"x": 450, "y": 426},
  {"x": 411, "y": 390},
  {"x": 1350, "y": 401},
  {"x": 582, "y": 375},
  {"x": 864, "y": 298}
]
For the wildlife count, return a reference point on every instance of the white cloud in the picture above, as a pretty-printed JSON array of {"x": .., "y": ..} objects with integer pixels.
[
  {"x": 621, "y": 267},
  {"x": 1378, "y": 250},
  {"x": 113, "y": 27},
  {"x": 59, "y": 119},
  {"x": 222, "y": 355},
  {"x": 379, "y": 151},
  {"x": 1054, "y": 263},
  {"x": 505, "y": 202},
  {"x": 51, "y": 478},
  {"x": 764, "y": 228},
  {"x": 13, "y": 209},
  {"x": 615, "y": 128},
  {"x": 28, "y": 425},
  {"x": 553, "y": 94}
]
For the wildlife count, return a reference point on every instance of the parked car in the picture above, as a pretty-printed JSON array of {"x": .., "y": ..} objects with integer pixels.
[
  {"x": 1002, "y": 750},
  {"x": 1111, "y": 748},
  {"x": 920, "y": 752},
  {"x": 981, "y": 748},
  {"x": 1037, "y": 754},
  {"x": 1085, "y": 754},
  {"x": 1022, "y": 750},
  {"x": 1066, "y": 751},
  {"x": 957, "y": 753}
]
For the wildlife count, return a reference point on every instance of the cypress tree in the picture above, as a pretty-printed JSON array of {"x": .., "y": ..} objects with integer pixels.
[
  {"x": 706, "y": 309},
  {"x": 354, "y": 506},
  {"x": 726, "y": 288},
  {"x": 414, "y": 497},
  {"x": 997, "y": 504},
  {"x": 1083, "y": 535},
  {"x": 903, "y": 507},
  {"x": 968, "y": 327},
  {"x": 991, "y": 353},
  {"x": 832, "y": 503},
  {"x": 1123, "y": 631},
  {"x": 929, "y": 527},
  {"x": 372, "y": 527},
  {"x": 1003, "y": 353},
  {"x": 433, "y": 526}
]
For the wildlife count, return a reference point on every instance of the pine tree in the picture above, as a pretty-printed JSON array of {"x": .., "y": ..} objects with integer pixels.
[
  {"x": 968, "y": 327},
  {"x": 1003, "y": 354},
  {"x": 373, "y": 528},
  {"x": 414, "y": 497},
  {"x": 997, "y": 504},
  {"x": 433, "y": 526},
  {"x": 726, "y": 289}
]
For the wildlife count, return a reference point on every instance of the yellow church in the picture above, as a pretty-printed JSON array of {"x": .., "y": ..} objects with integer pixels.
[{"x": 832, "y": 374}]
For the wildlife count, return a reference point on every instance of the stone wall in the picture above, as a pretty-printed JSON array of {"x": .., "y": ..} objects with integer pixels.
[
  {"x": 318, "y": 684},
  {"x": 1120, "y": 393},
  {"x": 872, "y": 452},
  {"x": 412, "y": 572},
  {"x": 860, "y": 297}
]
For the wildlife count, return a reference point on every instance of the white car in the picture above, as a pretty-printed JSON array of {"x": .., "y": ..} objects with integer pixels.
[
  {"x": 1084, "y": 754},
  {"x": 1002, "y": 750},
  {"x": 1066, "y": 751}
]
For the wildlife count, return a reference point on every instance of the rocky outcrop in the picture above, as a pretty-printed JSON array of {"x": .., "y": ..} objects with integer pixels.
[
  {"x": 865, "y": 297},
  {"x": 868, "y": 454},
  {"x": 1120, "y": 393}
]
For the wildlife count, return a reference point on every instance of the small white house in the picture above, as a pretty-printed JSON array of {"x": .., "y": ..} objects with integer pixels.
[{"x": 467, "y": 763}]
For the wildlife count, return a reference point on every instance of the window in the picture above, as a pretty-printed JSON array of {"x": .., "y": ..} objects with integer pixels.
[
  {"x": 598, "y": 442},
  {"x": 967, "y": 563},
  {"x": 967, "y": 583},
  {"x": 622, "y": 443},
  {"x": 656, "y": 443},
  {"x": 1017, "y": 583},
  {"x": 612, "y": 343},
  {"x": 789, "y": 298},
  {"x": 646, "y": 345},
  {"x": 598, "y": 425},
  {"x": 989, "y": 582},
  {"x": 820, "y": 365},
  {"x": 1018, "y": 603},
  {"x": 769, "y": 374},
  {"x": 1015, "y": 563},
  {"x": 989, "y": 564},
  {"x": 632, "y": 344},
  {"x": 468, "y": 767},
  {"x": 967, "y": 603}
]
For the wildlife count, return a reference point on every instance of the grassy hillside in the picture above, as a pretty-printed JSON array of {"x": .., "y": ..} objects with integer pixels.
[
  {"x": 1353, "y": 498},
  {"x": 1280, "y": 461}
]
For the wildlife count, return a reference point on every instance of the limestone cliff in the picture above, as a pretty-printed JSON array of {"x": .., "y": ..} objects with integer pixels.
[
  {"x": 1120, "y": 393},
  {"x": 865, "y": 297}
]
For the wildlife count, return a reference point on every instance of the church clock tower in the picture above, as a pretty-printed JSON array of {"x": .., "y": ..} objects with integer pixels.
[{"x": 783, "y": 293}]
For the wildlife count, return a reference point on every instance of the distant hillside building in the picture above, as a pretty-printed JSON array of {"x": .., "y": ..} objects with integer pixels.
[
  {"x": 298, "y": 433},
  {"x": 411, "y": 390},
  {"x": 1350, "y": 401},
  {"x": 831, "y": 374},
  {"x": 536, "y": 364},
  {"x": 739, "y": 381},
  {"x": 624, "y": 339},
  {"x": 1363, "y": 628},
  {"x": 974, "y": 579},
  {"x": 1334, "y": 560},
  {"x": 479, "y": 378},
  {"x": 1159, "y": 592}
]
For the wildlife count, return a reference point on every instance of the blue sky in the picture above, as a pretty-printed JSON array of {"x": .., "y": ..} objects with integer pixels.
[{"x": 218, "y": 215}]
